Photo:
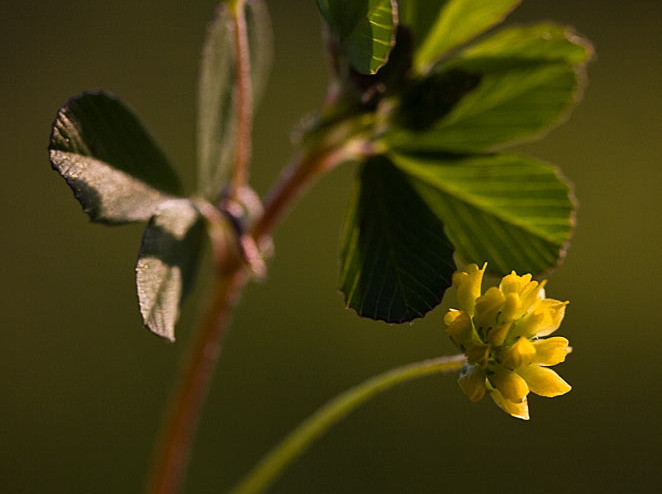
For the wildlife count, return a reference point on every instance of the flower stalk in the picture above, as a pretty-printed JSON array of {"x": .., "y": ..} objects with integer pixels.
[{"x": 300, "y": 439}]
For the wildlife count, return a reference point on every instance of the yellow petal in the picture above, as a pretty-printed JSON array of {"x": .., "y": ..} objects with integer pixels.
[
  {"x": 543, "y": 381},
  {"x": 488, "y": 308},
  {"x": 529, "y": 292},
  {"x": 497, "y": 335},
  {"x": 543, "y": 320},
  {"x": 510, "y": 384},
  {"x": 513, "y": 283},
  {"x": 451, "y": 316},
  {"x": 477, "y": 353},
  {"x": 550, "y": 351},
  {"x": 532, "y": 294},
  {"x": 467, "y": 284},
  {"x": 472, "y": 382},
  {"x": 518, "y": 410},
  {"x": 520, "y": 354},
  {"x": 512, "y": 308},
  {"x": 459, "y": 327}
]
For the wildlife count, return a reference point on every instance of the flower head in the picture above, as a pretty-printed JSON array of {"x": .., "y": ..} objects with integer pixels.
[{"x": 503, "y": 334}]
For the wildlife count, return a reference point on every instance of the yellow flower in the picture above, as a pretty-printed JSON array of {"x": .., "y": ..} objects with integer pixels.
[{"x": 502, "y": 333}]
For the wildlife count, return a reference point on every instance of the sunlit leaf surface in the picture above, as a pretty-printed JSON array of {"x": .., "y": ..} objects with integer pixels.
[
  {"x": 511, "y": 87},
  {"x": 167, "y": 262},
  {"x": 365, "y": 29},
  {"x": 457, "y": 22},
  {"x": 511, "y": 211},
  {"x": 109, "y": 160}
]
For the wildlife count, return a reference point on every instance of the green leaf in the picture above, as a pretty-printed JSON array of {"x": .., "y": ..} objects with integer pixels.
[
  {"x": 419, "y": 16},
  {"x": 513, "y": 212},
  {"x": 396, "y": 261},
  {"x": 167, "y": 263},
  {"x": 525, "y": 45},
  {"x": 109, "y": 160},
  {"x": 261, "y": 45},
  {"x": 507, "y": 107},
  {"x": 217, "y": 111},
  {"x": 458, "y": 22},
  {"x": 365, "y": 30},
  {"x": 429, "y": 98}
]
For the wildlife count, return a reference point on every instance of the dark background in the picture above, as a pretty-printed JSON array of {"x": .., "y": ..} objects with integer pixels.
[{"x": 83, "y": 384}]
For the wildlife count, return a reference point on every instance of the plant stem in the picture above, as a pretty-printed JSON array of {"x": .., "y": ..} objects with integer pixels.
[
  {"x": 174, "y": 447},
  {"x": 244, "y": 101},
  {"x": 272, "y": 465},
  {"x": 295, "y": 179},
  {"x": 173, "y": 452}
]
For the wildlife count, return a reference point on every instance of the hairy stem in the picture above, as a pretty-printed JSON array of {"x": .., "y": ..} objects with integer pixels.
[{"x": 273, "y": 464}]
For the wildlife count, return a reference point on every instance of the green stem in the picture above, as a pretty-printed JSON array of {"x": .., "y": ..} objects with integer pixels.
[{"x": 273, "y": 464}]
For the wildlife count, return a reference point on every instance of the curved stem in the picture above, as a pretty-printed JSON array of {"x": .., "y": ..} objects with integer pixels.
[{"x": 272, "y": 465}]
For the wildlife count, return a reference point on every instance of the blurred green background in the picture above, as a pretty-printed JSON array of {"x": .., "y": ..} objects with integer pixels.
[{"x": 84, "y": 384}]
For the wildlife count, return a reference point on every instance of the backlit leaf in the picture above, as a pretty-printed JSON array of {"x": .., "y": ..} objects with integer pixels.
[
  {"x": 216, "y": 101},
  {"x": 419, "y": 16},
  {"x": 504, "y": 109},
  {"x": 513, "y": 212},
  {"x": 458, "y": 22},
  {"x": 523, "y": 91},
  {"x": 365, "y": 30},
  {"x": 525, "y": 45},
  {"x": 109, "y": 160}
]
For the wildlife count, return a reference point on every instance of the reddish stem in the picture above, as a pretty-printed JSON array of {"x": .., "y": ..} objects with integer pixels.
[
  {"x": 175, "y": 445},
  {"x": 244, "y": 102},
  {"x": 294, "y": 181},
  {"x": 177, "y": 437}
]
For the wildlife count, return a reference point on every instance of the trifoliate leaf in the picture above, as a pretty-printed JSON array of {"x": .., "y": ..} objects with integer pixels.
[
  {"x": 167, "y": 263},
  {"x": 365, "y": 30},
  {"x": 510, "y": 211},
  {"x": 396, "y": 261},
  {"x": 109, "y": 160},
  {"x": 217, "y": 111}
]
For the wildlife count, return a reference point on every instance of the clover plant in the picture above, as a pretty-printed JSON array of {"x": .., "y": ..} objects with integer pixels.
[{"x": 425, "y": 101}]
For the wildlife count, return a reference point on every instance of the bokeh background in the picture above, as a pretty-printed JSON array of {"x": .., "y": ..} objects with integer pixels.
[{"x": 83, "y": 384}]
